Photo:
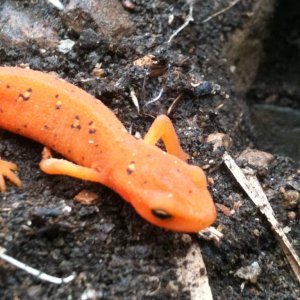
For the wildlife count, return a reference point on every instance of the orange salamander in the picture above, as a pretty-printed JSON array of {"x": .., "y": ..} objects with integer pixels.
[{"x": 160, "y": 185}]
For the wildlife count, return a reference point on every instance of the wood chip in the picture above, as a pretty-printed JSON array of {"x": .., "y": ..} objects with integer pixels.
[
  {"x": 145, "y": 61},
  {"x": 98, "y": 71},
  {"x": 135, "y": 100},
  {"x": 86, "y": 197}
]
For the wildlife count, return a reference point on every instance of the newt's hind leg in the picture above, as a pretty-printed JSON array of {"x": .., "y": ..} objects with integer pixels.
[
  {"x": 6, "y": 170},
  {"x": 162, "y": 128},
  {"x": 56, "y": 166}
]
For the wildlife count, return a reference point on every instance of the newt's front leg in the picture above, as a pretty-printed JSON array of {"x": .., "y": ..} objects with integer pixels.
[
  {"x": 6, "y": 170},
  {"x": 162, "y": 128},
  {"x": 49, "y": 165},
  {"x": 56, "y": 166}
]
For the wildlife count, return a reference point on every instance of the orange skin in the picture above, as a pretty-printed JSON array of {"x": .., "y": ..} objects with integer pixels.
[{"x": 161, "y": 186}]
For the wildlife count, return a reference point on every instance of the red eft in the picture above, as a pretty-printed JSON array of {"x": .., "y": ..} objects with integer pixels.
[{"x": 160, "y": 185}]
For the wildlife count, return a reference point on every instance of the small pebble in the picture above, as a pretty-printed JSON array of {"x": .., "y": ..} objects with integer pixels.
[
  {"x": 128, "y": 4},
  {"x": 65, "y": 46},
  {"x": 291, "y": 198},
  {"x": 86, "y": 197},
  {"x": 256, "y": 158},
  {"x": 250, "y": 272},
  {"x": 292, "y": 215}
]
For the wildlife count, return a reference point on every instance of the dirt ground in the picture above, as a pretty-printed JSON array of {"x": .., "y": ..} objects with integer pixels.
[{"x": 114, "y": 253}]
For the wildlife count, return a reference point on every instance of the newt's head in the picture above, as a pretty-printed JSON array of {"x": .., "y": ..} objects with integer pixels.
[{"x": 169, "y": 193}]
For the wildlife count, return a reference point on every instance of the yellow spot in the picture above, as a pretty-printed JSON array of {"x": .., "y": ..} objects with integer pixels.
[
  {"x": 91, "y": 141},
  {"x": 76, "y": 124},
  {"x": 170, "y": 195},
  {"x": 58, "y": 105},
  {"x": 131, "y": 167},
  {"x": 25, "y": 96}
]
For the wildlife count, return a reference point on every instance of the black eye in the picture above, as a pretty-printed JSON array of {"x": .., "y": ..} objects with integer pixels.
[{"x": 161, "y": 214}]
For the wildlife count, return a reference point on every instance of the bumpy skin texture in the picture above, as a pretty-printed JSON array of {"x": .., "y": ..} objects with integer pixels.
[{"x": 162, "y": 187}]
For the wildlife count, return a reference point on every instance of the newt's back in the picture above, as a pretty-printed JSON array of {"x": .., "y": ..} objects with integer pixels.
[{"x": 57, "y": 114}]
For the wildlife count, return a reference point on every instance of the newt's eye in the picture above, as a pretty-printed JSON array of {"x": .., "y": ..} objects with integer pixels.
[{"x": 161, "y": 214}]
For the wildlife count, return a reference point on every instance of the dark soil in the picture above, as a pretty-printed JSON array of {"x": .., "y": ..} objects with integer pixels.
[{"x": 113, "y": 251}]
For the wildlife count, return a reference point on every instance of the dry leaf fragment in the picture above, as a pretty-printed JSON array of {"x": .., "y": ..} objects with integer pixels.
[{"x": 192, "y": 273}]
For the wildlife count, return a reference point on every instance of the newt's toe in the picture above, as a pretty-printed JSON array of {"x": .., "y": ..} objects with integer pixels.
[{"x": 6, "y": 170}]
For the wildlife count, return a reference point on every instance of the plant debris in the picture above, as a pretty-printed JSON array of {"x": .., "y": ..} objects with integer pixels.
[{"x": 253, "y": 189}]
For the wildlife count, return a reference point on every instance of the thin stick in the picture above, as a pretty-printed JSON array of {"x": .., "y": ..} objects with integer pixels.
[
  {"x": 232, "y": 4},
  {"x": 35, "y": 272},
  {"x": 186, "y": 23},
  {"x": 170, "y": 109}
]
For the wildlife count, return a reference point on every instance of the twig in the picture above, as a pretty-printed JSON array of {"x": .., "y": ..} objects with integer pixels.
[
  {"x": 57, "y": 4},
  {"x": 156, "y": 98},
  {"x": 187, "y": 21},
  {"x": 176, "y": 100},
  {"x": 232, "y": 4},
  {"x": 255, "y": 192},
  {"x": 35, "y": 272}
]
